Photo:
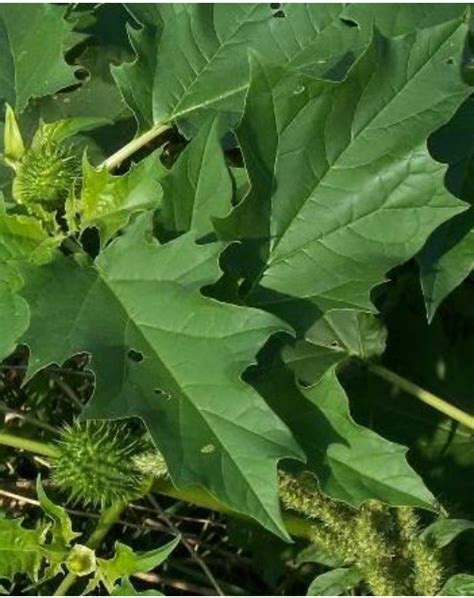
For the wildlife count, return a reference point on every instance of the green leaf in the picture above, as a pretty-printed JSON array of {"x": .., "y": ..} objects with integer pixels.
[
  {"x": 354, "y": 189},
  {"x": 448, "y": 256},
  {"x": 352, "y": 463},
  {"x": 61, "y": 529},
  {"x": 24, "y": 238},
  {"x": 125, "y": 588},
  {"x": 443, "y": 531},
  {"x": 32, "y": 45},
  {"x": 12, "y": 140},
  {"x": 165, "y": 353},
  {"x": 108, "y": 202},
  {"x": 446, "y": 260},
  {"x": 399, "y": 19},
  {"x": 461, "y": 584},
  {"x": 334, "y": 338},
  {"x": 126, "y": 562},
  {"x": 198, "y": 188},
  {"x": 14, "y": 318},
  {"x": 21, "y": 549},
  {"x": 210, "y": 71},
  {"x": 335, "y": 583}
]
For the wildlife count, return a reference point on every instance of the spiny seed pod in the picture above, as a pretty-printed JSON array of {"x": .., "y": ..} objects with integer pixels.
[
  {"x": 97, "y": 464},
  {"x": 45, "y": 175}
]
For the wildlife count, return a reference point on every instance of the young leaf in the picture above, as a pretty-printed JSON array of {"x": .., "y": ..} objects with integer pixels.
[
  {"x": 109, "y": 201},
  {"x": 24, "y": 238},
  {"x": 127, "y": 562},
  {"x": 14, "y": 147},
  {"x": 337, "y": 582},
  {"x": 21, "y": 549},
  {"x": 165, "y": 353},
  {"x": 32, "y": 45},
  {"x": 61, "y": 529},
  {"x": 198, "y": 188}
]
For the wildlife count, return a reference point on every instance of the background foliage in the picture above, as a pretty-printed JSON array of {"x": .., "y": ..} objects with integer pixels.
[{"x": 247, "y": 228}]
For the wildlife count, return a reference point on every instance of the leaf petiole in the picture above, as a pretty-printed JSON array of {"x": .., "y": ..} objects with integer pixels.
[
  {"x": 424, "y": 395},
  {"x": 114, "y": 161}
]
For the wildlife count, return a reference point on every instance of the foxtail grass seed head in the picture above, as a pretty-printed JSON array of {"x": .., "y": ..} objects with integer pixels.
[{"x": 97, "y": 463}]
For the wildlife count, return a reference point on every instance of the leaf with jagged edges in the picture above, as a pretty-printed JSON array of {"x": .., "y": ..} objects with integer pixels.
[
  {"x": 335, "y": 337},
  {"x": 61, "y": 530},
  {"x": 126, "y": 562},
  {"x": 21, "y": 550},
  {"x": 350, "y": 188},
  {"x": 352, "y": 463},
  {"x": 32, "y": 46},
  {"x": 198, "y": 188},
  {"x": 448, "y": 256},
  {"x": 210, "y": 70},
  {"x": 108, "y": 201},
  {"x": 14, "y": 313},
  {"x": 23, "y": 237},
  {"x": 163, "y": 352}
]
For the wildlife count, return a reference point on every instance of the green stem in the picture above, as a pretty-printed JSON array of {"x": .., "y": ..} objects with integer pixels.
[
  {"x": 33, "y": 446},
  {"x": 108, "y": 518},
  {"x": 133, "y": 146},
  {"x": 296, "y": 526},
  {"x": 423, "y": 395}
]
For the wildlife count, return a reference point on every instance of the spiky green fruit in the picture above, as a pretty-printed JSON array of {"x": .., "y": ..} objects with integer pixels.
[
  {"x": 97, "y": 463},
  {"x": 45, "y": 175}
]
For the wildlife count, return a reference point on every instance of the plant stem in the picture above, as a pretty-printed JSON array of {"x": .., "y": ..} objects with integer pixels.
[
  {"x": 133, "y": 146},
  {"x": 33, "y": 446},
  {"x": 296, "y": 526},
  {"x": 108, "y": 518},
  {"x": 423, "y": 395}
]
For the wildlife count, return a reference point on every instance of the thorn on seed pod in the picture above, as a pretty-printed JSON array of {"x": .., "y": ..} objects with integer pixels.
[{"x": 100, "y": 463}]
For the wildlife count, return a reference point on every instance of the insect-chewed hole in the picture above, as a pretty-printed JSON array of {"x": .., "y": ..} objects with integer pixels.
[
  {"x": 450, "y": 61},
  {"x": 278, "y": 11},
  {"x": 135, "y": 356},
  {"x": 349, "y": 22}
]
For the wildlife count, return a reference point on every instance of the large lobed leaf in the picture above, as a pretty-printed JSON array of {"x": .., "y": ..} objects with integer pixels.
[
  {"x": 351, "y": 188},
  {"x": 32, "y": 46},
  {"x": 195, "y": 61},
  {"x": 163, "y": 352}
]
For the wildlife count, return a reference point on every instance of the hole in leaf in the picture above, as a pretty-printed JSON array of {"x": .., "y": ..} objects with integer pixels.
[
  {"x": 278, "y": 11},
  {"x": 450, "y": 61},
  {"x": 135, "y": 356},
  {"x": 335, "y": 344},
  {"x": 348, "y": 22}
]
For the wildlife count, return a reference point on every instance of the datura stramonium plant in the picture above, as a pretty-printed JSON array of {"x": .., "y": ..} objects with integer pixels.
[
  {"x": 45, "y": 172},
  {"x": 102, "y": 462}
]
